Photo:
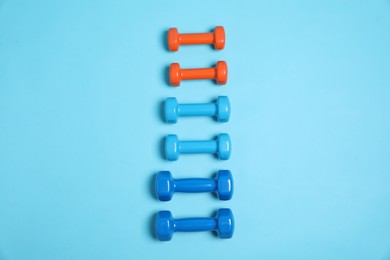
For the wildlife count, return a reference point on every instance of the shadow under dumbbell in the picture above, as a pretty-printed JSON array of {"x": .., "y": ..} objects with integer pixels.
[
  {"x": 152, "y": 185},
  {"x": 152, "y": 225},
  {"x": 164, "y": 37},
  {"x": 160, "y": 110},
  {"x": 161, "y": 147},
  {"x": 214, "y": 119},
  {"x": 165, "y": 75}
]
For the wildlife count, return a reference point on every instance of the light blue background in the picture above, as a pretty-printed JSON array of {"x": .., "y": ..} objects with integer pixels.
[{"x": 81, "y": 86}]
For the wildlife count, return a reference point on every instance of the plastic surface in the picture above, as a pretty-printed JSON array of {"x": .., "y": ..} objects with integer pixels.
[
  {"x": 166, "y": 185},
  {"x": 219, "y": 73},
  {"x": 220, "y": 109},
  {"x": 217, "y": 38},
  {"x": 174, "y": 147},
  {"x": 166, "y": 225}
]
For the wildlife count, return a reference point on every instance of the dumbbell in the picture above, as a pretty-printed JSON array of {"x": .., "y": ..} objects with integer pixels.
[
  {"x": 166, "y": 185},
  {"x": 220, "y": 109},
  {"x": 166, "y": 225},
  {"x": 175, "y": 39},
  {"x": 219, "y": 73},
  {"x": 174, "y": 147}
]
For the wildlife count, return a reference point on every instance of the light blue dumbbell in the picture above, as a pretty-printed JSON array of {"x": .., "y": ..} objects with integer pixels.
[
  {"x": 174, "y": 147},
  {"x": 220, "y": 109}
]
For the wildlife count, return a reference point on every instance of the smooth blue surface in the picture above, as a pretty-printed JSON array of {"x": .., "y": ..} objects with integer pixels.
[
  {"x": 81, "y": 90},
  {"x": 166, "y": 225},
  {"x": 166, "y": 185}
]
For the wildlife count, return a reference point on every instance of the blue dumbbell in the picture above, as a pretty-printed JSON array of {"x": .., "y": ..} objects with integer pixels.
[
  {"x": 220, "y": 109},
  {"x": 174, "y": 147},
  {"x": 166, "y": 185},
  {"x": 166, "y": 225}
]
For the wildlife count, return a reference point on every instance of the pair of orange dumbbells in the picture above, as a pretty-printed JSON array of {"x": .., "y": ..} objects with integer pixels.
[{"x": 217, "y": 38}]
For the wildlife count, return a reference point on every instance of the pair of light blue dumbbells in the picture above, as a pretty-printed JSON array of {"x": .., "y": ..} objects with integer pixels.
[
  {"x": 219, "y": 109},
  {"x": 166, "y": 185}
]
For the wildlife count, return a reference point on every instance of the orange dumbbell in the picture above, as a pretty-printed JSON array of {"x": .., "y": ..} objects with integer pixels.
[
  {"x": 175, "y": 39},
  {"x": 219, "y": 73}
]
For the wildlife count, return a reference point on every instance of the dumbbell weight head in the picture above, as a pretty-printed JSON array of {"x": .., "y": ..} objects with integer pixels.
[
  {"x": 225, "y": 185},
  {"x": 223, "y": 109},
  {"x": 224, "y": 146},
  {"x": 164, "y": 186},
  {"x": 170, "y": 110},
  {"x": 219, "y": 33},
  {"x": 173, "y": 39},
  {"x": 225, "y": 223},
  {"x": 172, "y": 152},
  {"x": 174, "y": 74},
  {"x": 222, "y": 73},
  {"x": 165, "y": 225}
]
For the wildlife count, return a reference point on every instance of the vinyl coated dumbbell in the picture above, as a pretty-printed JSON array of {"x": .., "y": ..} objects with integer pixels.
[
  {"x": 174, "y": 147},
  {"x": 166, "y": 185},
  {"x": 175, "y": 39},
  {"x": 219, "y": 73},
  {"x": 166, "y": 225},
  {"x": 220, "y": 109}
]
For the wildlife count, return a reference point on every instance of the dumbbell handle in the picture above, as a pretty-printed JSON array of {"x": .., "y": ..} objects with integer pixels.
[
  {"x": 197, "y": 109},
  {"x": 195, "y": 224},
  {"x": 200, "y": 73},
  {"x": 195, "y": 185},
  {"x": 198, "y": 146},
  {"x": 196, "y": 38}
]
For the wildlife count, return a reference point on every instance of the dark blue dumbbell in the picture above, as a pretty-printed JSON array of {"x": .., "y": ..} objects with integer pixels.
[
  {"x": 220, "y": 109},
  {"x": 174, "y": 147},
  {"x": 166, "y": 185},
  {"x": 166, "y": 225}
]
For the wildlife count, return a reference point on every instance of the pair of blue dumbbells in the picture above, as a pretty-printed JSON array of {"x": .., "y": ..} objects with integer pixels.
[{"x": 166, "y": 186}]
